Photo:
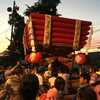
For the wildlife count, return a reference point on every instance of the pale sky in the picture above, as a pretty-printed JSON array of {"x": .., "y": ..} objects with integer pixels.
[{"x": 78, "y": 9}]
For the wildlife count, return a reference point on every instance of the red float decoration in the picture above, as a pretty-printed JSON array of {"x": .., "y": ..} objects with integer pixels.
[
  {"x": 62, "y": 32},
  {"x": 80, "y": 58},
  {"x": 34, "y": 57},
  {"x": 27, "y": 58},
  {"x": 63, "y": 27}
]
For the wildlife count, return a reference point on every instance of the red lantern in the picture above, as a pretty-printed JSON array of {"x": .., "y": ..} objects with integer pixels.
[
  {"x": 80, "y": 58},
  {"x": 35, "y": 57}
]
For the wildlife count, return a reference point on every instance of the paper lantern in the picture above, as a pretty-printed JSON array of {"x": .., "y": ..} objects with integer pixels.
[
  {"x": 80, "y": 58},
  {"x": 35, "y": 57}
]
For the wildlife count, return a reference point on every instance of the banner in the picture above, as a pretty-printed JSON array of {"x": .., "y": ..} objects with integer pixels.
[
  {"x": 28, "y": 37},
  {"x": 77, "y": 35},
  {"x": 47, "y": 30}
]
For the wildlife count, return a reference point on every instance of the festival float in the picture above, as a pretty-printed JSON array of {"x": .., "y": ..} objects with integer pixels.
[
  {"x": 45, "y": 33},
  {"x": 54, "y": 35}
]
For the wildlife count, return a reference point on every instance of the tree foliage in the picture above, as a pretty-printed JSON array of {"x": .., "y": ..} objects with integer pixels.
[{"x": 44, "y": 7}]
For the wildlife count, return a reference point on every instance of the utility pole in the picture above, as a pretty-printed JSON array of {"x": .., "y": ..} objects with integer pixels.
[{"x": 12, "y": 19}]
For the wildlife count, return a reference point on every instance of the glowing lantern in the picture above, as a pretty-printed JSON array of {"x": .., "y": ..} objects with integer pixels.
[
  {"x": 35, "y": 57},
  {"x": 80, "y": 58}
]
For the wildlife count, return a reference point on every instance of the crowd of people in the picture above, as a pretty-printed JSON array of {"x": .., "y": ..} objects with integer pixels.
[{"x": 50, "y": 82}]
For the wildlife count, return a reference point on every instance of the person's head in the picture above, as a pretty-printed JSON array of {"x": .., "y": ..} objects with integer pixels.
[
  {"x": 86, "y": 93},
  {"x": 41, "y": 70},
  {"x": 84, "y": 78},
  {"x": 29, "y": 87},
  {"x": 59, "y": 83},
  {"x": 19, "y": 70},
  {"x": 12, "y": 84}
]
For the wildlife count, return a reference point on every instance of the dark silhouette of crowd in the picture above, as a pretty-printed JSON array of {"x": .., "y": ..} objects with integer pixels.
[{"x": 52, "y": 81}]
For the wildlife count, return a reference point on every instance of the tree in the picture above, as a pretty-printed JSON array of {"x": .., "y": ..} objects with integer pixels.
[{"x": 44, "y": 7}]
